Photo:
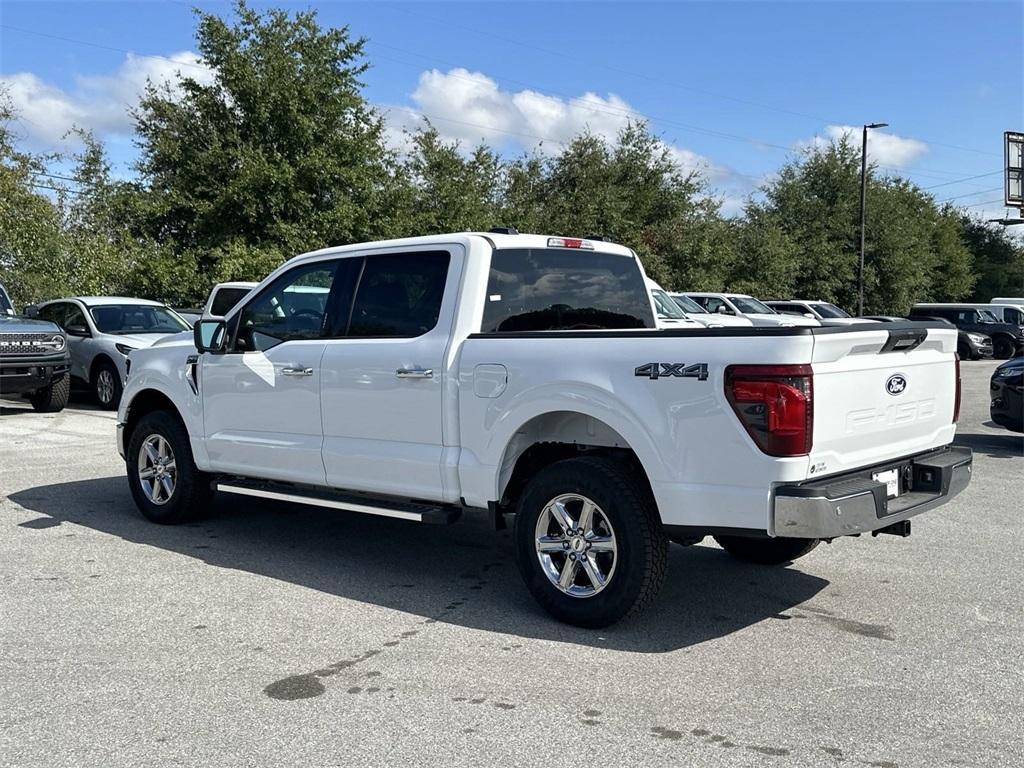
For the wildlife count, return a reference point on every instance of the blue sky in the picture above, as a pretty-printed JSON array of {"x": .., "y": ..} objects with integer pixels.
[{"x": 731, "y": 87}]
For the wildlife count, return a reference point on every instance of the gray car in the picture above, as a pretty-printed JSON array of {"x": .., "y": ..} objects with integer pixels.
[{"x": 102, "y": 331}]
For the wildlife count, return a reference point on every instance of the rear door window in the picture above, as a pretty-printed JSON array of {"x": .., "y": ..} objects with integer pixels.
[
  {"x": 399, "y": 295},
  {"x": 560, "y": 289}
]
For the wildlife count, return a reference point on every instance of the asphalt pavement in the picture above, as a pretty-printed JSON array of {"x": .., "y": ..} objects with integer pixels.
[{"x": 278, "y": 635}]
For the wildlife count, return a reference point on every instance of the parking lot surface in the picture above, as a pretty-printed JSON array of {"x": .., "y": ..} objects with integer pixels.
[{"x": 278, "y": 635}]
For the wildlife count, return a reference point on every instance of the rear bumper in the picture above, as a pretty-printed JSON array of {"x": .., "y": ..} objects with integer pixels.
[{"x": 855, "y": 503}]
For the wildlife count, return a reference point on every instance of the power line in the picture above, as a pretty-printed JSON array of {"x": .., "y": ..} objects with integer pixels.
[
  {"x": 971, "y": 194},
  {"x": 103, "y": 47},
  {"x": 957, "y": 181}
]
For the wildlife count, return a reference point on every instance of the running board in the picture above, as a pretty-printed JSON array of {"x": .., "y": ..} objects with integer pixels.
[{"x": 318, "y": 497}]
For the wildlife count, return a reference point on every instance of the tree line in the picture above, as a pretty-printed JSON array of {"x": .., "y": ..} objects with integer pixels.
[{"x": 281, "y": 153}]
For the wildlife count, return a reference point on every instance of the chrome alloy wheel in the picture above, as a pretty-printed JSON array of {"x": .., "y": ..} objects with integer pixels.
[
  {"x": 105, "y": 386},
  {"x": 157, "y": 470},
  {"x": 576, "y": 545}
]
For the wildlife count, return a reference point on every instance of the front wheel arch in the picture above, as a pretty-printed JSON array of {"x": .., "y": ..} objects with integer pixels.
[{"x": 145, "y": 402}]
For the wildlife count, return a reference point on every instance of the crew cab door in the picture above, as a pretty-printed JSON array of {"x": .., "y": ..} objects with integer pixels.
[
  {"x": 384, "y": 378},
  {"x": 261, "y": 399}
]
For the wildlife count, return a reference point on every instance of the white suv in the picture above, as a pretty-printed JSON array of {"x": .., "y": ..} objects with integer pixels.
[{"x": 741, "y": 305}]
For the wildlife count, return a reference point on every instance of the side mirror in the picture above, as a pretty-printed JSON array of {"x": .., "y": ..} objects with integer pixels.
[
  {"x": 723, "y": 310},
  {"x": 809, "y": 314},
  {"x": 210, "y": 336},
  {"x": 77, "y": 330},
  {"x": 31, "y": 310}
]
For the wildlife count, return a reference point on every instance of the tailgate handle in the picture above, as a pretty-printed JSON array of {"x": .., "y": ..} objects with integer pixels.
[{"x": 905, "y": 340}]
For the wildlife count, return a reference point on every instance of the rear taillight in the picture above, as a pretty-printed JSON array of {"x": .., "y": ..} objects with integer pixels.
[
  {"x": 776, "y": 405},
  {"x": 956, "y": 401}
]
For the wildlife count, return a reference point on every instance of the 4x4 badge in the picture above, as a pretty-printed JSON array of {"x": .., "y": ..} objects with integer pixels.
[{"x": 896, "y": 384}]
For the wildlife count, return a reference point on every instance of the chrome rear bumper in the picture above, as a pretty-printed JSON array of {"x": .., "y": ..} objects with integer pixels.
[{"x": 855, "y": 503}]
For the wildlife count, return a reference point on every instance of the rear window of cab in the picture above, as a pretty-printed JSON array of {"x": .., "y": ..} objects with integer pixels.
[{"x": 562, "y": 289}]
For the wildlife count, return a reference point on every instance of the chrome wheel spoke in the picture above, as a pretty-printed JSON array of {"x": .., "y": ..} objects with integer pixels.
[
  {"x": 151, "y": 453},
  {"x": 551, "y": 544},
  {"x": 147, "y": 473},
  {"x": 167, "y": 484},
  {"x": 586, "y": 521},
  {"x": 568, "y": 575},
  {"x": 597, "y": 579},
  {"x": 561, "y": 515},
  {"x": 601, "y": 543}
]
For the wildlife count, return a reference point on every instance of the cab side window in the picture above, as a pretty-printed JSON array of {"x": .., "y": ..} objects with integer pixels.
[
  {"x": 399, "y": 295},
  {"x": 74, "y": 316},
  {"x": 293, "y": 307}
]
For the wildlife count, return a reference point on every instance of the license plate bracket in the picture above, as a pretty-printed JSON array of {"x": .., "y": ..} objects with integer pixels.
[{"x": 891, "y": 478}]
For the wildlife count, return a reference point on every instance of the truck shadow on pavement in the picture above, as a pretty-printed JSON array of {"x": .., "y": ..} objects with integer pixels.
[
  {"x": 462, "y": 574},
  {"x": 1008, "y": 445}
]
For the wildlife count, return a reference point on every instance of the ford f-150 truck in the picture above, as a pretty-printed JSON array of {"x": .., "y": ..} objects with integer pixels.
[{"x": 523, "y": 374}]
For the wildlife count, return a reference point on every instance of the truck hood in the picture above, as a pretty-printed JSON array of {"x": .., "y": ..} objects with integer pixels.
[
  {"x": 726, "y": 321},
  {"x": 780, "y": 320},
  {"x": 18, "y": 324},
  {"x": 175, "y": 339}
]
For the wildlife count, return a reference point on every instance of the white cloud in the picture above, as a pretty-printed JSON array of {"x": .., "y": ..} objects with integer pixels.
[
  {"x": 885, "y": 149},
  {"x": 470, "y": 107},
  {"x": 97, "y": 102}
]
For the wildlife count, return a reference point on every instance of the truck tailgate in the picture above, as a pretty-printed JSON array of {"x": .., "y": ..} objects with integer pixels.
[{"x": 881, "y": 394}]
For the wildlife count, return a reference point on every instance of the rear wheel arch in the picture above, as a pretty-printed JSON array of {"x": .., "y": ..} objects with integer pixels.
[{"x": 557, "y": 435}]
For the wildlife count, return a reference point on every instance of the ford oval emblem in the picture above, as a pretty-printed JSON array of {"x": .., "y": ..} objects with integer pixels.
[{"x": 896, "y": 384}]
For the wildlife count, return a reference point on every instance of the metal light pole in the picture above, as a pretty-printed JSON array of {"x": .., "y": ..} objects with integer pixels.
[{"x": 863, "y": 203}]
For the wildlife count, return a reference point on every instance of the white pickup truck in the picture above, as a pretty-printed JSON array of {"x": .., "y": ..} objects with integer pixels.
[{"x": 523, "y": 374}]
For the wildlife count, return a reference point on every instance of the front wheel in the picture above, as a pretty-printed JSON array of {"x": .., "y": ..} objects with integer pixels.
[
  {"x": 1002, "y": 347},
  {"x": 162, "y": 476},
  {"x": 588, "y": 542},
  {"x": 106, "y": 386},
  {"x": 765, "y": 551},
  {"x": 53, "y": 397}
]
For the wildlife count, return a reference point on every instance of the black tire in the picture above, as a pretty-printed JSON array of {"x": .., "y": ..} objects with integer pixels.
[
  {"x": 106, "y": 392},
  {"x": 766, "y": 551},
  {"x": 641, "y": 557},
  {"x": 966, "y": 353},
  {"x": 1002, "y": 347},
  {"x": 191, "y": 492},
  {"x": 53, "y": 397}
]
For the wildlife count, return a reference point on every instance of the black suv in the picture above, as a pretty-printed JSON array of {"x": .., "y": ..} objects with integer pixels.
[
  {"x": 1007, "y": 339},
  {"x": 34, "y": 359}
]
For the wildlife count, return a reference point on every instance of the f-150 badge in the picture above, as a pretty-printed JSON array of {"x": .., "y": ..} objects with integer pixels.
[{"x": 652, "y": 371}]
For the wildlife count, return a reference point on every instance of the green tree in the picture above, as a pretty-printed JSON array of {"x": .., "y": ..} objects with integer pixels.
[
  {"x": 279, "y": 152},
  {"x": 30, "y": 223},
  {"x": 998, "y": 258}
]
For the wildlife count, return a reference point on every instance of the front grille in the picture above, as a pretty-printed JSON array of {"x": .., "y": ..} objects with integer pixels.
[{"x": 26, "y": 344}]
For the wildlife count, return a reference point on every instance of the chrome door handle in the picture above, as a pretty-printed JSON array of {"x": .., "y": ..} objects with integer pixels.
[
  {"x": 414, "y": 373},
  {"x": 297, "y": 371}
]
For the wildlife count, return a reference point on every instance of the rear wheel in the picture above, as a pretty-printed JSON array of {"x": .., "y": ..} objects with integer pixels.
[
  {"x": 766, "y": 551},
  {"x": 53, "y": 397},
  {"x": 106, "y": 386},
  {"x": 589, "y": 543},
  {"x": 163, "y": 478},
  {"x": 1002, "y": 347}
]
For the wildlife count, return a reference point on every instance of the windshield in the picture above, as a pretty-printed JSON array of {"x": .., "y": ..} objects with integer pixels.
[
  {"x": 829, "y": 310},
  {"x": 552, "y": 289},
  {"x": 137, "y": 318},
  {"x": 667, "y": 309},
  {"x": 749, "y": 306},
  {"x": 5, "y": 303},
  {"x": 688, "y": 305}
]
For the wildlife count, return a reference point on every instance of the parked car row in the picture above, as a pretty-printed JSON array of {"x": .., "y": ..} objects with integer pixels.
[
  {"x": 96, "y": 333},
  {"x": 985, "y": 330}
]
